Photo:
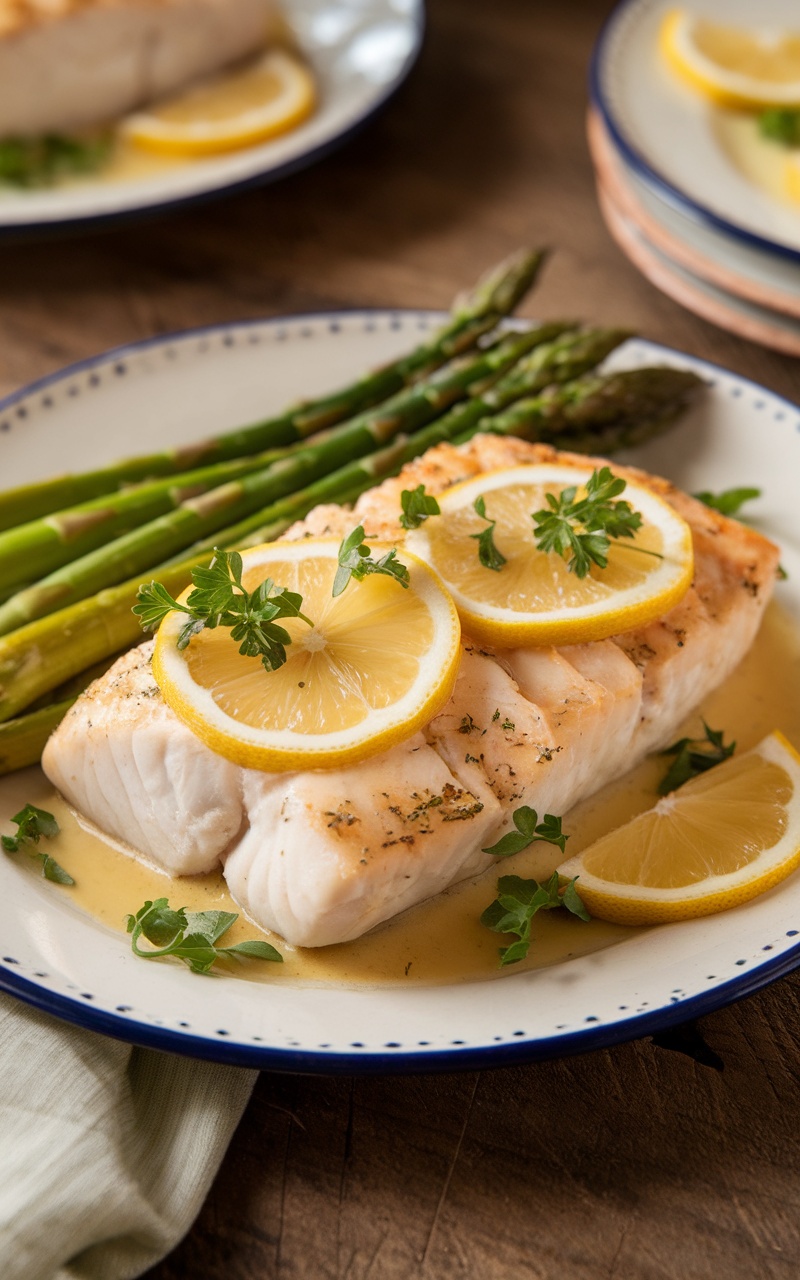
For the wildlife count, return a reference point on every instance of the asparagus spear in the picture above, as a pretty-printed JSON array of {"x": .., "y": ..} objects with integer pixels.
[
  {"x": 473, "y": 314},
  {"x": 22, "y": 740},
  {"x": 42, "y": 546},
  {"x": 43, "y": 654},
  {"x": 27, "y": 549},
  {"x": 569, "y": 355},
  {"x": 598, "y": 413}
]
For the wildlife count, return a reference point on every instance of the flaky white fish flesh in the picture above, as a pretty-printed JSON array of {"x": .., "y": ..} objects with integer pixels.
[
  {"x": 323, "y": 856},
  {"x": 65, "y": 64}
]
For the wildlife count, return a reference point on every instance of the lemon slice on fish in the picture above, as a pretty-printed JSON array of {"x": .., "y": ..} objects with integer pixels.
[
  {"x": 234, "y": 109},
  {"x": 378, "y": 663},
  {"x": 534, "y": 598},
  {"x": 718, "y": 841},
  {"x": 732, "y": 66}
]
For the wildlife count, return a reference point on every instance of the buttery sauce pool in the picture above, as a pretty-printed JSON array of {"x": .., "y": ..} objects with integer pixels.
[{"x": 440, "y": 941}]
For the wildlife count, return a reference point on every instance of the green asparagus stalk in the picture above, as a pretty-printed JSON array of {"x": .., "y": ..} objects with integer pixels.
[
  {"x": 473, "y": 314},
  {"x": 569, "y": 355},
  {"x": 598, "y": 412},
  {"x": 41, "y": 655},
  {"x": 22, "y": 740},
  {"x": 43, "y": 546},
  {"x": 197, "y": 517}
]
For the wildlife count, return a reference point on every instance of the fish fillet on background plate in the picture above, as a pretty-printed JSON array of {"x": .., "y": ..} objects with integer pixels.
[
  {"x": 323, "y": 856},
  {"x": 66, "y": 64}
]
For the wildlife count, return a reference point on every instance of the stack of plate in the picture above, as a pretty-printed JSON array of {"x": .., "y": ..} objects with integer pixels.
[{"x": 689, "y": 192}]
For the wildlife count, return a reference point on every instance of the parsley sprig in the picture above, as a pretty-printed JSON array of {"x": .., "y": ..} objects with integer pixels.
[
  {"x": 220, "y": 600},
  {"x": 41, "y": 161},
  {"x": 191, "y": 936},
  {"x": 729, "y": 501},
  {"x": 32, "y": 824},
  {"x": 488, "y": 553},
  {"x": 694, "y": 756},
  {"x": 356, "y": 562},
  {"x": 529, "y": 828},
  {"x": 518, "y": 901},
  {"x": 417, "y": 506},
  {"x": 583, "y": 530}
]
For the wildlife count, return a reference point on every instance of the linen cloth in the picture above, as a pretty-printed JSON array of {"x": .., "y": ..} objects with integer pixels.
[{"x": 106, "y": 1151}]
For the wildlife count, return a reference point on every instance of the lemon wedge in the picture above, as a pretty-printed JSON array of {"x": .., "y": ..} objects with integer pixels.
[
  {"x": 232, "y": 110},
  {"x": 534, "y": 599},
  {"x": 379, "y": 662},
  {"x": 733, "y": 67},
  {"x": 718, "y": 841}
]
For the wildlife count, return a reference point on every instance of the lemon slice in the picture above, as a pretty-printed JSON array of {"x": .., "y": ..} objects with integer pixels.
[
  {"x": 379, "y": 662},
  {"x": 717, "y": 841},
  {"x": 535, "y": 599},
  {"x": 733, "y": 67},
  {"x": 232, "y": 110}
]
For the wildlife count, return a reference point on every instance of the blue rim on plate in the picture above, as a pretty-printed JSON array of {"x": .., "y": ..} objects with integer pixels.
[
  {"x": 673, "y": 195},
  {"x": 139, "y": 209},
  {"x": 764, "y": 956}
]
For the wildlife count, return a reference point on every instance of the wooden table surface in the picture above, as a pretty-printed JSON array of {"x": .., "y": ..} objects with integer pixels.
[{"x": 674, "y": 1157}]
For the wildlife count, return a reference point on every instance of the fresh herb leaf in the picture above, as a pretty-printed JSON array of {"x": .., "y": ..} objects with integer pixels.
[
  {"x": 191, "y": 936},
  {"x": 488, "y": 553},
  {"x": 417, "y": 507},
  {"x": 516, "y": 904},
  {"x": 781, "y": 124},
  {"x": 39, "y": 162},
  {"x": 32, "y": 824},
  {"x": 729, "y": 501},
  {"x": 582, "y": 532},
  {"x": 356, "y": 562},
  {"x": 220, "y": 600},
  {"x": 694, "y": 756},
  {"x": 529, "y": 828},
  {"x": 781, "y": 574}
]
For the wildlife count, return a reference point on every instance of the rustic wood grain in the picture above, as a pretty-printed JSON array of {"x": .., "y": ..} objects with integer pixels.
[{"x": 649, "y": 1161}]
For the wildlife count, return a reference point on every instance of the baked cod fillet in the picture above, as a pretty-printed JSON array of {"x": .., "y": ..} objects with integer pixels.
[
  {"x": 65, "y": 64},
  {"x": 323, "y": 856}
]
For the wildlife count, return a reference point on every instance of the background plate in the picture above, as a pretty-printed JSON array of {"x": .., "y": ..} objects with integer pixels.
[
  {"x": 177, "y": 388},
  {"x": 360, "y": 50},
  {"x": 759, "y": 277},
  {"x": 669, "y": 133}
]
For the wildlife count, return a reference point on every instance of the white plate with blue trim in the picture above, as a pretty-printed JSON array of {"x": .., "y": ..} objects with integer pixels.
[
  {"x": 178, "y": 388},
  {"x": 360, "y": 51},
  {"x": 687, "y": 149}
]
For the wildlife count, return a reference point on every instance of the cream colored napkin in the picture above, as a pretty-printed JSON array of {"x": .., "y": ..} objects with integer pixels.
[{"x": 106, "y": 1151}]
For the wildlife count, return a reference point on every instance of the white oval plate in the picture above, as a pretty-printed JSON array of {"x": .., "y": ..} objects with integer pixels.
[
  {"x": 665, "y": 130},
  {"x": 179, "y": 388},
  {"x": 361, "y": 52}
]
